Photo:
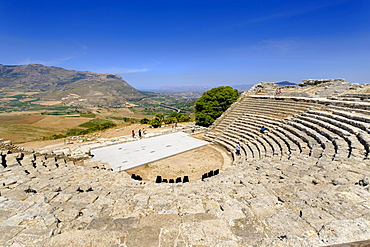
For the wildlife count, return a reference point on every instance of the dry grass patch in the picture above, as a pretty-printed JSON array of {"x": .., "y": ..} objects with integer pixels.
[
  {"x": 48, "y": 103},
  {"x": 61, "y": 122},
  {"x": 16, "y": 119}
]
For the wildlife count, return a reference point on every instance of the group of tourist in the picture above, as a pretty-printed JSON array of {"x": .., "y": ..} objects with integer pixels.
[
  {"x": 141, "y": 133},
  {"x": 278, "y": 92}
]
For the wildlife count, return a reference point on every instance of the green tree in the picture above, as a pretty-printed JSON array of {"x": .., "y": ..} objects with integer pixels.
[
  {"x": 213, "y": 103},
  {"x": 170, "y": 120},
  {"x": 155, "y": 122},
  {"x": 159, "y": 116},
  {"x": 144, "y": 121},
  {"x": 180, "y": 117}
]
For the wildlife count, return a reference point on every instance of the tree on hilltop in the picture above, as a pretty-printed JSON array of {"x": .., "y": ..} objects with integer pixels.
[{"x": 213, "y": 103}]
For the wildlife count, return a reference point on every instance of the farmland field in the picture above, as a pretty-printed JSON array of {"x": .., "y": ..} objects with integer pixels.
[{"x": 23, "y": 128}]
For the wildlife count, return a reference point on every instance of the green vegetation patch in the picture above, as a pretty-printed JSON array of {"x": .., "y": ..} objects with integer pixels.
[
  {"x": 87, "y": 115},
  {"x": 18, "y": 96},
  {"x": 59, "y": 108}
]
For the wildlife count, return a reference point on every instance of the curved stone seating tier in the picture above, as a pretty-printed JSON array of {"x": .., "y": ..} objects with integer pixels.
[
  {"x": 273, "y": 108},
  {"x": 330, "y": 144},
  {"x": 230, "y": 143},
  {"x": 344, "y": 109},
  {"x": 355, "y": 137},
  {"x": 249, "y": 132}
]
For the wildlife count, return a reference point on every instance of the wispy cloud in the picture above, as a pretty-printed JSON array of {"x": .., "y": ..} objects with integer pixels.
[
  {"x": 293, "y": 11},
  {"x": 45, "y": 62}
]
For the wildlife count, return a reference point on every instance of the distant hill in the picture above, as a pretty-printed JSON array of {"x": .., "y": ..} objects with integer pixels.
[
  {"x": 178, "y": 89},
  {"x": 195, "y": 89},
  {"x": 39, "y": 83},
  {"x": 286, "y": 83}
]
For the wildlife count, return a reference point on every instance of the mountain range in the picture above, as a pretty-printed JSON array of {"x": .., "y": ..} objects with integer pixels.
[{"x": 70, "y": 87}]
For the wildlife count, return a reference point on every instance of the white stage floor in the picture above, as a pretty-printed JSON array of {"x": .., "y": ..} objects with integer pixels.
[{"x": 137, "y": 153}]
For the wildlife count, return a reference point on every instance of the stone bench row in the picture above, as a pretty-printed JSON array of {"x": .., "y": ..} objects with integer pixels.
[
  {"x": 268, "y": 107},
  {"x": 268, "y": 144},
  {"x": 347, "y": 110},
  {"x": 251, "y": 133},
  {"x": 247, "y": 128},
  {"x": 230, "y": 144},
  {"x": 324, "y": 132},
  {"x": 286, "y": 143},
  {"x": 291, "y": 107},
  {"x": 357, "y": 139}
]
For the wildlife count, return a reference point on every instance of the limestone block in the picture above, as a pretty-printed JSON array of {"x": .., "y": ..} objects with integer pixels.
[
  {"x": 160, "y": 220},
  {"x": 15, "y": 206},
  {"x": 290, "y": 240},
  {"x": 120, "y": 224},
  {"x": 32, "y": 237},
  {"x": 190, "y": 206},
  {"x": 198, "y": 217},
  {"x": 206, "y": 233},
  {"x": 17, "y": 219},
  {"x": 342, "y": 231},
  {"x": 96, "y": 238},
  {"x": 99, "y": 223},
  {"x": 7, "y": 233},
  {"x": 316, "y": 217},
  {"x": 169, "y": 237},
  {"x": 250, "y": 229},
  {"x": 264, "y": 207},
  {"x": 350, "y": 197},
  {"x": 62, "y": 197},
  {"x": 289, "y": 224},
  {"x": 146, "y": 236}
]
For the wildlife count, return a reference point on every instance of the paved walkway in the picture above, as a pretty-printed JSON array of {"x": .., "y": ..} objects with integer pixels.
[{"x": 132, "y": 154}]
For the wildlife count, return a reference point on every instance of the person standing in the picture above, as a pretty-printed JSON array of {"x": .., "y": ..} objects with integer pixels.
[
  {"x": 140, "y": 133},
  {"x": 237, "y": 147},
  {"x": 133, "y": 133}
]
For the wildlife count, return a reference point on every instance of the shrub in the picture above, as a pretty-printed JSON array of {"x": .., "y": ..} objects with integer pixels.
[
  {"x": 155, "y": 122},
  {"x": 144, "y": 121}
]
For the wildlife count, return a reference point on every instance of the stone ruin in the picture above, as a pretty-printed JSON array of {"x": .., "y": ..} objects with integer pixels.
[{"x": 304, "y": 182}]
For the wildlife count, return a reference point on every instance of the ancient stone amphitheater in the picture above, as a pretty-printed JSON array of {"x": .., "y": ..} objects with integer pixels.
[{"x": 304, "y": 182}]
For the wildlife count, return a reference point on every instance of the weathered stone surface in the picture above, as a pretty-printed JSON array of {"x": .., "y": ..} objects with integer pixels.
[
  {"x": 209, "y": 232},
  {"x": 160, "y": 220},
  {"x": 145, "y": 236},
  {"x": 32, "y": 237},
  {"x": 249, "y": 229},
  {"x": 198, "y": 217},
  {"x": 7, "y": 233},
  {"x": 121, "y": 224},
  {"x": 86, "y": 238},
  {"x": 289, "y": 224},
  {"x": 342, "y": 231},
  {"x": 99, "y": 224}
]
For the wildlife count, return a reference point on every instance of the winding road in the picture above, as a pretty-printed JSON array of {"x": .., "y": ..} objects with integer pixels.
[{"x": 169, "y": 107}]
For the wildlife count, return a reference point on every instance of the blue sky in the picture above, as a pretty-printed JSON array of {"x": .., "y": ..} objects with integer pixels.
[{"x": 158, "y": 43}]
